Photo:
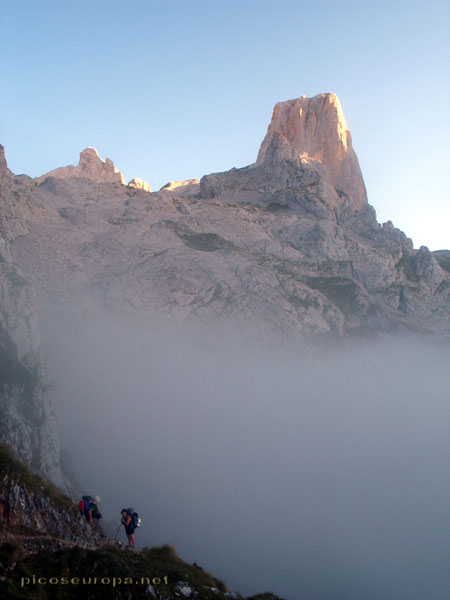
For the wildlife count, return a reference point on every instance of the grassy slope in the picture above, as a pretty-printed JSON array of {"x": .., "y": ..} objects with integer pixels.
[{"x": 11, "y": 466}]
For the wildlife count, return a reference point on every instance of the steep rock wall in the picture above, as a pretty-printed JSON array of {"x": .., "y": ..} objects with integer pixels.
[
  {"x": 316, "y": 129},
  {"x": 27, "y": 423}
]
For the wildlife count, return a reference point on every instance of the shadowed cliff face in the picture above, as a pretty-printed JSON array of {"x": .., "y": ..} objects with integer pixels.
[
  {"x": 35, "y": 516},
  {"x": 320, "y": 476},
  {"x": 27, "y": 422}
]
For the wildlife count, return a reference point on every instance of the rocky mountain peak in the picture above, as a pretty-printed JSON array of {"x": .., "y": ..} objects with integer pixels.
[
  {"x": 89, "y": 156},
  {"x": 316, "y": 129},
  {"x": 91, "y": 166}
]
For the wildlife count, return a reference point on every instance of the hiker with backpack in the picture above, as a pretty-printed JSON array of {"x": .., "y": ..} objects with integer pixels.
[
  {"x": 89, "y": 509},
  {"x": 130, "y": 520},
  {"x": 96, "y": 514}
]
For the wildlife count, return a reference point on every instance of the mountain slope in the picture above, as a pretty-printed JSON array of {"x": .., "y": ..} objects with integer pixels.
[
  {"x": 286, "y": 250},
  {"x": 27, "y": 421},
  {"x": 47, "y": 549}
]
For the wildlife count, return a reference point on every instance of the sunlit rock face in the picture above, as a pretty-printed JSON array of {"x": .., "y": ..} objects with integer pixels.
[
  {"x": 316, "y": 129},
  {"x": 275, "y": 249},
  {"x": 139, "y": 184},
  {"x": 188, "y": 188},
  {"x": 91, "y": 166}
]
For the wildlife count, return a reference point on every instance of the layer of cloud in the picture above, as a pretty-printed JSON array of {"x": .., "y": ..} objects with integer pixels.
[{"x": 322, "y": 476}]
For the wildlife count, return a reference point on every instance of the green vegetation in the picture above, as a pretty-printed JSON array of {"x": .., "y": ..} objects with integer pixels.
[
  {"x": 110, "y": 572},
  {"x": 274, "y": 207},
  {"x": 9, "y": 553},
  {"x": 11, "y": 466},
  {"x": 104, "y": 573},
  {"x": 107, "y": 573},
  {"x": 206, "y": 242}
]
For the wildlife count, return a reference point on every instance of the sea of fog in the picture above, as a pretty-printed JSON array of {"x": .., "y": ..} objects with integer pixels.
[{"x": 316, "y": 476}]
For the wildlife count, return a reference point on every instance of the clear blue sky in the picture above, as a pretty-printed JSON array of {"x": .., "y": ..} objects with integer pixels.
[{"x": 172, "y": 89}]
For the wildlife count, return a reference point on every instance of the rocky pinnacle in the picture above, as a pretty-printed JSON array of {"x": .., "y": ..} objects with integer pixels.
[
  {"x": 91, "y": 166},
  {"x": 316, "y": 129}
]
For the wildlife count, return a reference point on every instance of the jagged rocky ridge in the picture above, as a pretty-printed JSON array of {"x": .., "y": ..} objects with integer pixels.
[{"x": 287, "y": 249}]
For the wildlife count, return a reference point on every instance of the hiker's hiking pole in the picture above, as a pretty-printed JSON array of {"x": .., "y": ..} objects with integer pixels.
[{"x": 120, "y": 525}]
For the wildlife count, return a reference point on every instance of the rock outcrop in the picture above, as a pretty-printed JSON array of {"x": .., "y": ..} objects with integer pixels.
[
  {"x": 285, "y": 252},
  {"x": 287, "y": 249},
  {"x": 307, "y": 146},
  {"x": 139, "y": 184},
  {"x": 36, "y": 516},
  {"x": 91, "y": 166},
  {"x": 46, "y": 544},
  {"x": 27, "y": 423},
  {"x": 315, "y": 129},
  {"x": 188, "y": 188},
  {"x": 6, "y": 176}
]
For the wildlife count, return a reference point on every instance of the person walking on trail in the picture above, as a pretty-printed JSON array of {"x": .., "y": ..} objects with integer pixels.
[
  {"x": 96, "y": 514},
  {"x": 88, "y": 508},
  {"x": 127, "y": 522}
]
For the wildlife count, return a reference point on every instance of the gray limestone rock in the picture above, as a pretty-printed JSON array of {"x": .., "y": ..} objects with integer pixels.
[
  {"x": 43, "y": 522},
  {"x": 284, "y": 251},
  {"x": 275, "y": 248},
  {"x": 91, "y": 166},
  {"x": 27, "y": 424},
  {"x": 316, "y": 129}
]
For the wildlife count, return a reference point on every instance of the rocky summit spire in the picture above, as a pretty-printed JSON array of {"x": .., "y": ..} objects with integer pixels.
[
  {"x": 91, "y": 166},
  {"x": 316, "y": 128}
]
